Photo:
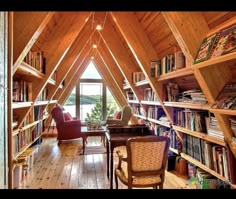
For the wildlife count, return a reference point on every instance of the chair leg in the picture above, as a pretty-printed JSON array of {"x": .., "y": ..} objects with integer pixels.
[
  {"x": 84, "y": 140},
  {"x": 160, "y": 186},
  {"x": 116, "y": 181}
]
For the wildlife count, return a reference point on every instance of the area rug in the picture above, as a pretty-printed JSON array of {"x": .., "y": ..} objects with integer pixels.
[{"x": 90, "y": 150}]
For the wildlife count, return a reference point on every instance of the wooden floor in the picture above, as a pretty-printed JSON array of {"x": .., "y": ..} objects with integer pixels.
[{"x": 61, "y": 167}]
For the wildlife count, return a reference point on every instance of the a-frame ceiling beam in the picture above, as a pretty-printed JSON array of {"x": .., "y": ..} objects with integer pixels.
[
  {"x": 109, "y": 81},
  {"x": 114, "y": 88},
  {"x": 112, "y": 66},
  {"x": 74, "y": 73},
  {"x": 27, "y": 28},
  {"x": 141, "y": 47},
  {"x": 120, "y": 56},
  {"x": 59, "y": 42},
  {"x": 74, "y": 80},
  {"x": 73, "y": 54}
]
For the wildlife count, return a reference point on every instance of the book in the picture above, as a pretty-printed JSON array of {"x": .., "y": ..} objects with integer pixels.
[
  {"x": 225, "y": 42},
  {"x": 205, "y": 49}
]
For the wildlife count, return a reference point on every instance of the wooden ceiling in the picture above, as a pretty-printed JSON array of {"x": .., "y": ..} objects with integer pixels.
[{"x": 127, "y": 43}]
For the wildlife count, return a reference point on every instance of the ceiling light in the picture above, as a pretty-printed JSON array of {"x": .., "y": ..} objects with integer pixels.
[
  {"x": 98, "y": 27},
  {"x": 92, "y": 57},
  {"x": 95, "y": 46}
]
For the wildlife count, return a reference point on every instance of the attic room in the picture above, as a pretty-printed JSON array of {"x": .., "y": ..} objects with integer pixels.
[{"x": 162, "y": 81}]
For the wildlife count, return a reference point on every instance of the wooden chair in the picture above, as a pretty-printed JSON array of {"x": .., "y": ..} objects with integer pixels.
[{"x": 145, "y": 162}]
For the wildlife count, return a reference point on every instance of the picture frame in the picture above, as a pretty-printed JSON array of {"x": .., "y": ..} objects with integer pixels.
[
  {"x": 226, "y": 42},
  {"x": 205, "y": 49}
]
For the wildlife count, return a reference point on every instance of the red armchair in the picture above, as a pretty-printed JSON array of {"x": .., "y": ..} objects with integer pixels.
[{"x": 67, "y": 127}]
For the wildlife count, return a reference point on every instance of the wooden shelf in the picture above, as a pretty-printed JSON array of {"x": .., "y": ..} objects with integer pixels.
[
  {"x": 174, "y": 150},
  {"x": 16, "y": 105},
  {"x": 200, "y": 165},
  {"x": 125, "y": 87},
  {"x": 174, "y": 74},
  {"x": 166, "y": 124},
  {"x": 140, "y": 116},
  {"x": 199, "y": 135},
  {"x": 53, "y": 101},
  {"x": 150, "y": 102},
  {"x": 133, "y": 101},
  {"x": 41, "y": 103},
  {"x": 52, "y": 81},
  {"x": 223, "y": 111},
  {"x": 26, "y": 69},
  {"x": 187, "y": 105},
  {"x": 142, "y": 83},
  {"x": 226, "y": 59}
]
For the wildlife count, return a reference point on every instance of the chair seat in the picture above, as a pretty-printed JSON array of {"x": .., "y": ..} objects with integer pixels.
[{"x": 137, "y": 181}]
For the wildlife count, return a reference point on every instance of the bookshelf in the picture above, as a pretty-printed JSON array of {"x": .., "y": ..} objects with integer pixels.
[
  {"x": 37, "y": 65},
  {"x": 194, "y": 76}
]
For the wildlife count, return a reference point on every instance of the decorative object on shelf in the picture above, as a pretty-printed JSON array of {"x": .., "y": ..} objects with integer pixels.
[
  {"x": 225, "y": 42},
  {"x": 205, "y": 49}
]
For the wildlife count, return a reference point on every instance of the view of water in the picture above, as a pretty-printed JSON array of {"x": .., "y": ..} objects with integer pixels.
[{"x": 86, "y": 108}]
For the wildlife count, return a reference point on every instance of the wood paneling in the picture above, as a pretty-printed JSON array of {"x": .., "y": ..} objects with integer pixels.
[{"x": 25, "y": 35}]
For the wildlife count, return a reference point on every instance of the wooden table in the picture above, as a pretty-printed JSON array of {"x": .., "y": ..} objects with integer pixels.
[
  {"x": 92, "y": 132},
  {"x": 119, "y": 138}
]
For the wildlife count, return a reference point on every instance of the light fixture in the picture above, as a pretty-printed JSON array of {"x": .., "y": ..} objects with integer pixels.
[
  {"x": 95, "y": 46},
  {"x": 92, "y": 57},
  {"x": 99, "y": 27}
]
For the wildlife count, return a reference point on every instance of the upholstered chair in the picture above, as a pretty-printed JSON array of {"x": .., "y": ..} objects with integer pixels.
[
  {"x": 143, "y": 163},
  {"x": 124, "y": 115},
  {"x": 67, "y": 127}
]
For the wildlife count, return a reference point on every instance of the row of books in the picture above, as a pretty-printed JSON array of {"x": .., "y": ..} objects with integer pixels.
[
  {"x": 36, "y": 60},
  {"x": 227, "y": 97},
  {"x": 218, "y": 158},
  {"x": 169, "y": 63},
  {"x": 217, "y": 44},
  {"x": 43, "y": 96},
  {"x": 172, "y": 94},
  {"x": 22, "y": 91},
  {"x": 190, "y": 119},
  {"x": 155, "y": 112},
  {"x": 149, "y": 95},
  {"x": 165, "y": 131},
  {"x": 138, "y": 77},
  {"x": 26, "y": 137}
]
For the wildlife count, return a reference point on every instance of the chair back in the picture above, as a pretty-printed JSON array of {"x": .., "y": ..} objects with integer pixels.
[
  {"x": 126, "y": 114},
  {"x": 147, "y": 154},
  {"x": 57, "y": 114}
]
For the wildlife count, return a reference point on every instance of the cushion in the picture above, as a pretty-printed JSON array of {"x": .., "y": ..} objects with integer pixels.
[
  {"x": 117, "y": 115},
  {"x": 67, "y": 116}
]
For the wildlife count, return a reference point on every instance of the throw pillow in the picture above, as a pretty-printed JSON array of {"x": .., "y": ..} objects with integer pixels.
[
  {"x": 117, "y": 115},
  {"x": 67, "y": 116}
]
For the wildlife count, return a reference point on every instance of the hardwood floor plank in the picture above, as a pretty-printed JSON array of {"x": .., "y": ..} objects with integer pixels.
[{"x": 61, "y": 167}]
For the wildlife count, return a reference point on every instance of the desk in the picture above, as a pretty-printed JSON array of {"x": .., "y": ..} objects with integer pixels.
[
  {"x": 117, "y": 136},
  {"x": 91, "y": 132}
]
